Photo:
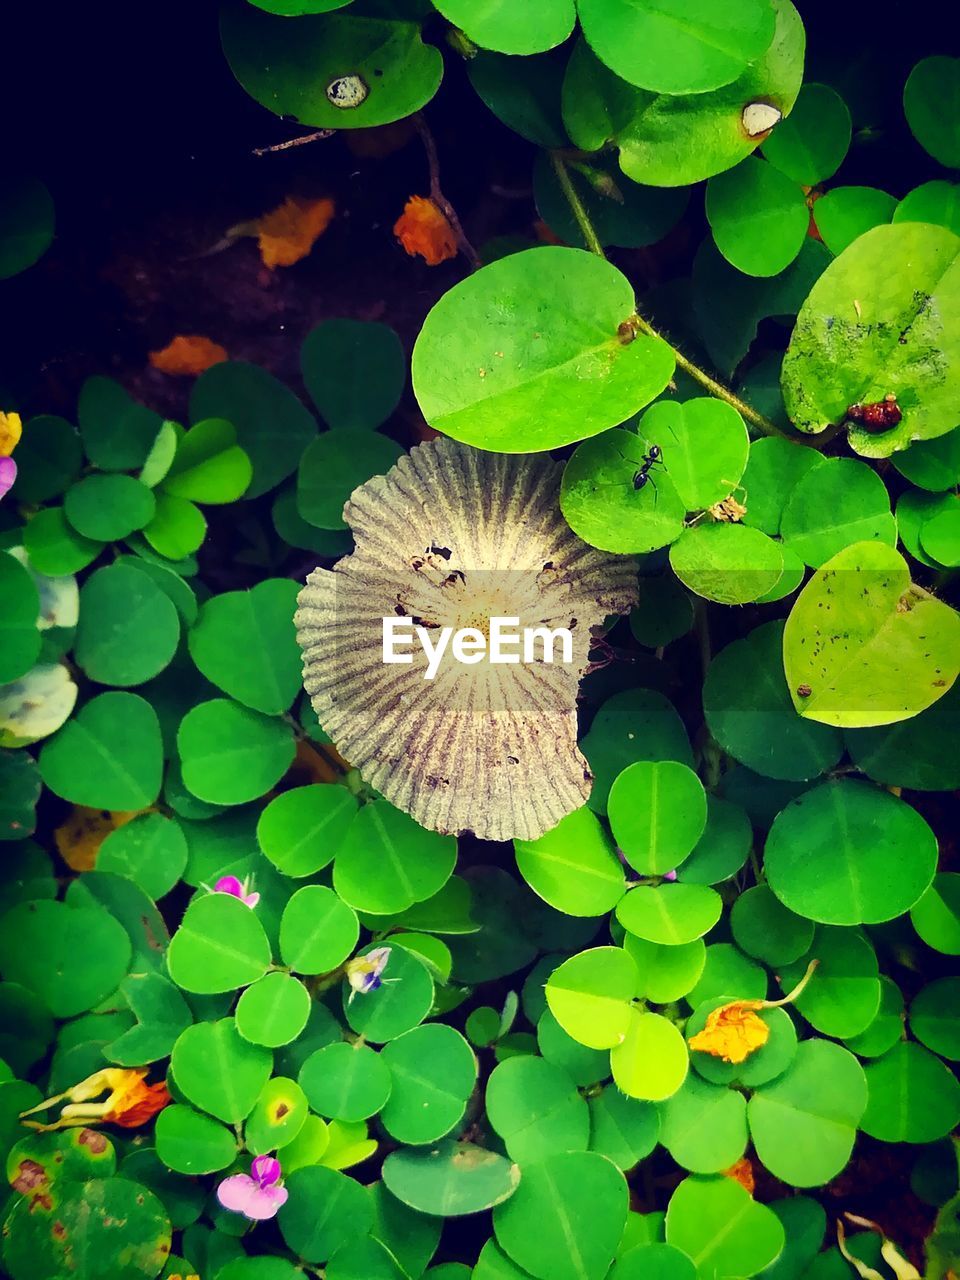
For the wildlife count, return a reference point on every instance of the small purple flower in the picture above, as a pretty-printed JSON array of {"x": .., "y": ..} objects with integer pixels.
[
  {"x": 364, "y": 973},
  {"x": 257, "y": 1194},
  {"x": 237, "y": 889},
  {"x": 670, "y": 875},
  {"x": 8, "y": 473}
]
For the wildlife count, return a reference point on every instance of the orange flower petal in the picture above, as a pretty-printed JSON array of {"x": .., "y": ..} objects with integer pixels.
[
  {"x": 733, "y": 1031},
  {"x": 423, "y": 229},
  {"x": 288, "y": 233},
  {"x": 188, "y": 354},
  {"x": 133, "y": 1102}
]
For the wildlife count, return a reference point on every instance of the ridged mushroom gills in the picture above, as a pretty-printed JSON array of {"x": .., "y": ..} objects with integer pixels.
[{"x": 450, "y": 537}]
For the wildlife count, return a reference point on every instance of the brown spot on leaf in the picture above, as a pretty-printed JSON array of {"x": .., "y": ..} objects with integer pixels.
[
  {"x": 30, "y": 1175},
  {"x": 95, "y": 1141}
]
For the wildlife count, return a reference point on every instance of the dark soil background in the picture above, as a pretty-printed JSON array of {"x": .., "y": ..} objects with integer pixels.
[{"x": 129, "y": 112}]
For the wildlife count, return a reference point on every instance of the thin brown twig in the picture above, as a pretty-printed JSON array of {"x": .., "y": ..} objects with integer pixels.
[
  {"x": 316, "y": 136},
  {"x": 436, "y": 192}
]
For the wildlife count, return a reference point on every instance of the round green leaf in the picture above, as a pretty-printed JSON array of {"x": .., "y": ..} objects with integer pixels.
[
  {"x": 273, "y": 1011},
  {"x": 49, "y": 458},
  {"x": 26, "y": 224},
  {"x": 128, "y": 630},
  {"x": 677, "y": 47},
  {"x": 765, "y": 929},
  {"x": 845, "y": 213},
  {"x": 387, "y": 862},
  {"x": 652, "y": 1060},
  {"x": 70, "y": 957},
  {"x": 670, "y": 140},
  {"x": 810, "y": 144},
  {"x": 862, "y": 646},
  {"x": 590, "y": 995},
  {"x": 935, "y": 1017},
  {"x": 754, "y": 720},
  {"x": 56, "y": 548},
  {"x": 931, "y": 102},
  {"x": 803, "y": 1124},
  {"x": 622, "y": 1129},
  {"x": 102, "y": 1227},
  {"x": 636, "y": 724},
  {"x": 936, "y": 917},
  {"x": 843, "y": 996},
  {"x": 450, "y": 1179},
  {"x": 209, "y": 466},
  {"x": 390, "y": 71},
  {"x": 324, "y": 1210},
  {"x": 536, "y": 1109},
  {"x": 273, "y": 428},
  {"x": 317, "y": 931},
  {"x": 151, "y": 850},
  {"x": 704, "y": 1126},
  {"x": 301, "y": 830},
  {"x": 905, "y": 279},
  {"x": 724, "y": 846},
  {"x": 670, "y": 914},
  {"x": 721, "y": 1228},
  {"x": 601, "y": 504},
  {"x": 117, "y": 432},
  {"x": 666, "y": 972},
  {"x": 161, "y": 1013},
  {"x": 657, "y": 812},
  {"x": 19, "y": 637},
  {"x": 109, "y": 756},
  {"x": 914, "y": 509},
  {"x": 278, "y": 1116},
  {"x": 729, "y": 563},
  {"x": 931, "y": 464},
  {"x": 573, "y": 1196},
  {"x": 849, "y": 853},
  {"x": 912, "y": 1096},
  {"x": 574, "y": 867},
  {"x": 664, "y": 614},
  {"x": 333, "y": 465},
  {"x": 886, "y": 1028},
  {"x": 346, "y": 1081},
  {"x": 653, "y": 1261},
  {"x": 433, "y": 1070},
  {"x": 245, "y": 644},
  {"x": 511, "y": 359},
  {"x": 507, "y": 28},
  {"x": 293, "y": 529},
  {"x": 397, "y": 1006},
  {"x": 230, "y": 754},
  {"x": 355, "y": 371},
  {"x": 705, "y": 447},
  {"x": 524, "y": 93},
  {"x": 937, "y": 202},
  {"x": 218, "y": 1071},
  {"x": 837, "y": 503},
  {"x": 727, "y": 971},
  {"x": 758, "y": 215},
  {"x": 108, "y": 507},
  {"x": 940, "y": 536},
  {"x": 177, "y": 529},
  {"x": 219, "y": 946}
]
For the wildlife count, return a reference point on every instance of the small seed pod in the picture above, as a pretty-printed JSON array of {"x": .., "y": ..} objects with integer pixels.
[
  {"x": 804, "y": 691},
  {"x": 347, "y": 92},
  {"x": 759, "y": 118}
]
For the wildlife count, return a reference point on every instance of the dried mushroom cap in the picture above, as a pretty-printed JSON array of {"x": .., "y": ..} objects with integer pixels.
[{"x": 452, "y": 536}]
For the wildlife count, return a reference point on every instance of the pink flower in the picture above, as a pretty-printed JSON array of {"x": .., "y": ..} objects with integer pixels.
[
  {"x": 237, "y": 889},
  {"x": 257, "y": 1194},
  {"x": 8, "y": 473},
  {"x": 670, "y": 875}
]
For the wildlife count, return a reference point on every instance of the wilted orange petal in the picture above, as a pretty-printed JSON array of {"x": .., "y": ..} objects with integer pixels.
[
  {"x": 733, "y": 1031},
  {"x": 80, "y": 837},
  {"x": 188, "y": 354},
  {"x": 422, "y": 229},
  {"x": 742, "y": 1172},
  {"x": 289, "y": 232},
  {"x": 137, "y": 1103}
]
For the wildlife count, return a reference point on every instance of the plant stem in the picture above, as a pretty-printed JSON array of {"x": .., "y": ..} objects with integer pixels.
[
  {"x": 436, "y": 192},
  {"x": 717, "y": 389}
]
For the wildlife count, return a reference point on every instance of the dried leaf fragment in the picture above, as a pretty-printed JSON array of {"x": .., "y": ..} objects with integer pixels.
[
  {"x": 288, "y": 233},
  {"x": 188, "y": 355},
  {"x": 423, "y": 229}
]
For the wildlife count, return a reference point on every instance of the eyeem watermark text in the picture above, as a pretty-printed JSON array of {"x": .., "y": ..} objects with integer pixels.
[{"x": 505, "y": 643}]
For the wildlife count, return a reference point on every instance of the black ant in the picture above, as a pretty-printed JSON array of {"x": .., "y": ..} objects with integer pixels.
[{"x": 652, "y": 458}]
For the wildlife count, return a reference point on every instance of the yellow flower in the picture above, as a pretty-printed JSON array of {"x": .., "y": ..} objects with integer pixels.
[
  {"x": 733, "y": 1031},
  {"x": 130, "y": 1101},
  {"x": 423, "y": 229},
  {"x": 11, "y": 429}
]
